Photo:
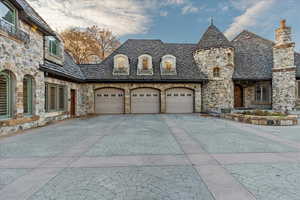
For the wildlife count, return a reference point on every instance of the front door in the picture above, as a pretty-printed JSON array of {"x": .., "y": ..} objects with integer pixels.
[
  {"x": 73, "y": 103},
  {"x": 238, "y": 96}
]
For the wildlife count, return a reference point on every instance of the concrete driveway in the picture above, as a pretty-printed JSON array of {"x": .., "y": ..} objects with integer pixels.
[{"x": 151, "y": 157}]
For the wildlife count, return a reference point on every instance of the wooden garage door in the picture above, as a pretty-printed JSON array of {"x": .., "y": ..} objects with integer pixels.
[
  {"x": 179, "y": 100},
  {"x": 109, "y": 101},
  {"x": 145, "y": 100}
]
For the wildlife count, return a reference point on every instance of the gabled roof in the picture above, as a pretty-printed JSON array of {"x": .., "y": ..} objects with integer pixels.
[
  {"x": 31, "y": 15},
  {"x": 187, "y": 69},
  {"x": 213, "y": 38},
  {"x": 254, "y": 57},
  {"x": 69, "y": 70}
]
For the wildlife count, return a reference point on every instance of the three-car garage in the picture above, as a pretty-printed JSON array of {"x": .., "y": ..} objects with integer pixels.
[{"x": 144, "y": 101}]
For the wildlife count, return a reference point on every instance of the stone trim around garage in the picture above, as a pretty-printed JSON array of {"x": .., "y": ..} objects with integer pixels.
[{"x": 289, "y": 120}]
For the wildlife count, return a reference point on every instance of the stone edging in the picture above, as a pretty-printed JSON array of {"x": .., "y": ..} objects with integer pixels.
[{"x": 289, "y": 120}]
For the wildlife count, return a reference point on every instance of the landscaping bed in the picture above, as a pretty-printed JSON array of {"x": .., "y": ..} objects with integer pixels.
[{"x": 259, "y": 117}]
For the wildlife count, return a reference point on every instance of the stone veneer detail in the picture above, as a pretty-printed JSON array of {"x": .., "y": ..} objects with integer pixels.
[
  {"x": 284, "y": 71},
  {"x": 218, "y": 92}
]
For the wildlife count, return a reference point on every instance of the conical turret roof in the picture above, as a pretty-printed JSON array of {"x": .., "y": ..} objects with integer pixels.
[{"x": 213, "y": 38}]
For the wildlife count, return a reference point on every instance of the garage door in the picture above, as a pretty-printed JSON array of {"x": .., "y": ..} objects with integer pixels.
[
  {"x": 145, "y": 100},
  {"x": 179, "y": 100},
  {"x": 109, "y": 101}
]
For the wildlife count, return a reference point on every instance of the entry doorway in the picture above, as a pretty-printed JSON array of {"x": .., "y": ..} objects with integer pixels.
[{"x": 238, "y": 96}]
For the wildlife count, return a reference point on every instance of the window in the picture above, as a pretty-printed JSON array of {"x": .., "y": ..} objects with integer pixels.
[
  {"x": 27, "y": 95},
  {"x": 216, "y": 72},
  {"x": 168, "y": 65},
  {"x": 145, "y": 63},
  {"x": 262, "y": 93},
  {"x": 5, "y": 95},
  {"x": 121, "y": 65},
  {"x": 56, "y": 97},
  {"x": 121, "y": 62},
  {"x": 54, "y": 48},
  {"x": 8, "y": 13}
]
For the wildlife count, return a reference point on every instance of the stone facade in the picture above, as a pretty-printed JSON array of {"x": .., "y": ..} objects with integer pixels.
[
  {"x": 218, "y": 92},
  {"x": 23, "y": 58},
  {"x": 284, "y": 71},
  {"x": 128, "y": 87}
]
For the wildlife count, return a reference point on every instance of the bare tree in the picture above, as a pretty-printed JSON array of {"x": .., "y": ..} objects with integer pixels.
[
  {"x": 106, "y": 40},
  {"x": 80, "y": 44}
]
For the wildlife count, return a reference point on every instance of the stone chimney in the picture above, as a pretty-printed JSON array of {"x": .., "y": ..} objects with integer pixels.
[{"x": 284, "y": 70}]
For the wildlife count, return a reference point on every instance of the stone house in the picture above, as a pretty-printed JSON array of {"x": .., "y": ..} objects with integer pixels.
[{"x": 40, "y": 82}]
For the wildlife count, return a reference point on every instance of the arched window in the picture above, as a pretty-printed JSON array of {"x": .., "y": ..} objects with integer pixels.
[
  {"x": 168, "y": 65},
  {"x": 121, "y": 65},
  {"x": 28, "y": 95},
  {"x": 216, "y": 72},
  {"x": 5, "y": 95},
  {"x": 145, "y": 65}
]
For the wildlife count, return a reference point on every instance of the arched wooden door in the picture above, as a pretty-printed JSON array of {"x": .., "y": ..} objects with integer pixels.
[{"x": 238, "y": 96}]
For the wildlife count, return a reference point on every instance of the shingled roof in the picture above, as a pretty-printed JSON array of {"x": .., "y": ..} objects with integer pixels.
[
  {"x": 213, "y": 38},
  {"x": 69, "y": 70},
  {"x": 187, "y": 70},
  {"x": 254, "y": 57},
  {"x": 31, "y": 15}
]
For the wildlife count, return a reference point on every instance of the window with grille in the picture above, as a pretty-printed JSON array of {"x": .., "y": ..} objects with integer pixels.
[
  {"x": 56, "y": 97},
  {"x": 5, "y": 95},
  {"x": 27, "y": 95},
  {"x": 263, "y": 93}
]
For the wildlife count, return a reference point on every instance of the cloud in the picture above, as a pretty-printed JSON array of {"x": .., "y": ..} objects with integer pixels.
[
  {"x": 251, "y": 16},
  {"x": 189, "y": 8},
  {"x": 163, "y": 13},
  {"x": 121, "y": 16}
]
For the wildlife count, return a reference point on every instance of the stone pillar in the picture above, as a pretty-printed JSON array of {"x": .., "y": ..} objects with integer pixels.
[
  {"x": 127, "y": 101},
  {"x": 19, "y": 109},
  {"x": 163, "y": 101},
  {"x": 198, "y": 100},
  {"x": 284, "y": 70}
]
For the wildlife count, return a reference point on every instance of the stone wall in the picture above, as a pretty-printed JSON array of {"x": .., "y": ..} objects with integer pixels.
[
  {"x": 22, "y": 59},
  {"x": 298, "y": 94},
  {"x": 218, "y": 92},
  {"x": 90, "y": 88}
]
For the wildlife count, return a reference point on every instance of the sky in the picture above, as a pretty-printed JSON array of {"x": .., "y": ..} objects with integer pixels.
[{"x": 174, "y": 21}]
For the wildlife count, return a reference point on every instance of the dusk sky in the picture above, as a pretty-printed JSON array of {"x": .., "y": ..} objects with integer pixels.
[{"x": 174, "y": 21}]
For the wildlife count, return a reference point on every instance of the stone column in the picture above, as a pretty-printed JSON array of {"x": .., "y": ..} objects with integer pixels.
[
  {"x": 127, "y": 101},
  {"x": 163, "y": 101},
  {"x": 198, "y": 100},
  {"x": 19, "y": 107},
  {"x": 284, "y": 70}
]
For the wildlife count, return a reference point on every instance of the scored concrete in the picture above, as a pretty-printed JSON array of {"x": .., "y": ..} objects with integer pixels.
[{"x": 133, "y": 157}]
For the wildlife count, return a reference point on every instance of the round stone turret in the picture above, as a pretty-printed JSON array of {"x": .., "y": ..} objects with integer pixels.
[{"x": 215, "y": 58}]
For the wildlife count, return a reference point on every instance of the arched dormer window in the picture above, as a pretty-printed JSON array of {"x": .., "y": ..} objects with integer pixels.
[
  {"x": 216, "y": 72},
  {"x": 121, "y": 65},
  {"x": 145, "y": 65},
  {"x": 168, "y": 65}
]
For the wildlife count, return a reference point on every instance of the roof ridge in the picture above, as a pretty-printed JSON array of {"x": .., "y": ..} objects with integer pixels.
[{"x": 254, "y": 34}]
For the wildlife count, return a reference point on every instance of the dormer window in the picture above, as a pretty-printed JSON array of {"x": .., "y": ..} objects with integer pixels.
[
  {"x": 168, "y": 65},
  {"x": 216, "y": 72},
  {"x": 121, "y": 65},
  {"x": 145, "y": 65},
  {"x": 54, "y": 46}
]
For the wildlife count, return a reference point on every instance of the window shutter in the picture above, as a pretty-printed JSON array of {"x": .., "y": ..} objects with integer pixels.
[{"x": 4, "y": 95}]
